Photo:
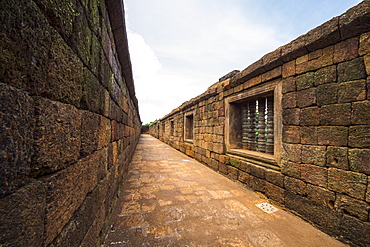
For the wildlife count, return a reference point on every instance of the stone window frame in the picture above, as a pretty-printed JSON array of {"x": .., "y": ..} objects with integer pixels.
[
  {"x": 187, "y": 126},
  {"x": 232, "y": 110}
]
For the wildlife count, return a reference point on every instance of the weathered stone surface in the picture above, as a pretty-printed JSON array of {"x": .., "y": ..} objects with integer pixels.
[
  {"x": 305, "y": 81},
  {"x": 289, "y": 85},
  {"x": 352, "y": 91},
  {"x": 310, "y": 116},
  {"x": 274, "y": 177},
  {"x": 367, "y": 65},
  {"x": 322, "y": 216},
  {"x": 292, "y": 152},
  {"x": 306, "y": 97},
  {"x": 309, "y": 135},
  {"x": 89, "y": 133},
  {"x": 16, "y": 138},
  {"x": 364, "y": 44},
  {"x": 315, "y": 155},
  {"x": 332, "y": 135},
  {"x": 325, "y": 75},
  {"x": 288, "y": 69},
  {"x": 320, "y": 196},
  {"x": 337, "y": 157},
  {"x": 232, "y": 172},
  {"x": 327, "y": 94},
  {"x": 274, "y": 192},
  {"x": 68, "y": 189},
  {"x": 355, "y": 230},
  {"x": 57, "y": 136},
  {"x": 294, "y": 49},
  {"x": 360, "y": 112},
  {"x": 289, "y": 100},
  {"x": 272, "y": 74},
  {"x": 351, "y": 22},
  {"x": 337, "y": 114},
  {"x": 314, "y": 174},
  {"x": 349, "y": 205},
  {"x": 351, "y": 70},
  {"x": 104, "y": 132},
  {"x": 257, "y": 171},
  {"x": 257, "y": 184},
  {"x": 346, "y": 50},
  {"x": 291, "y": 134},
  {"x": 324, "y": 35},
  {"x": 291, "y": 116},
  {"x": 359, "y": 160},
  {"x": 296, "y": 186},
  {"x": 316, "y": 60},
  {"x": 359, "y": 136},
  {"x": 368, "y": 190},
  {"x": 347, "y": 182},
  {"x": 22, "y": 217}
]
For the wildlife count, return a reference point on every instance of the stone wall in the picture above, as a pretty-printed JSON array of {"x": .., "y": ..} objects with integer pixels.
[
  {"x": 69, "y": 120},
  {"x": 320, "y": 168}
]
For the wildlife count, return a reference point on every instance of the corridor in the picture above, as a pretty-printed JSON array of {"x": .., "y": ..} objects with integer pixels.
[{"x": 170, "y": 199}]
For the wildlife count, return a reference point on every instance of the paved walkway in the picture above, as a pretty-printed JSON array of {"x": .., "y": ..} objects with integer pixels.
[{"x": 173, "y": 200}]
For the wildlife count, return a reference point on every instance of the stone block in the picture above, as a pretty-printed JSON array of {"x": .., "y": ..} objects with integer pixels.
[
  {"x": 291, "y": 116},
  {"x": 332, "y": 135},
  {"x": 314, "y": 174},
  {"x": 22, "y": 217},
  {"x": 347, "y": 182},
  {"x": 324, "y": 35},
  {"x": 291, "y": 169},
  {"x": 361, "y": 112},
  {"x": 325, "y": 75},
  {"x": 320, "y": 196},
  {"x": 359, "y": 160},
  {"x": 351, "y": 206},
  {"x": 289, "y": 85},
  {"x": 67, "y": 190},
  {"x": 57, "y": 136},
  {"x": 309, "y": 135},
  {"x": 288, "y": 69},
  {"x": 296, "y": 186},
  {"x": 355, "y": 230},
  {"x": 315, "y": 155},
  {"x": 89, "y": 133},
  {"x": 232, "y": 172},
  {"x": 272, "y": 74},
  {"x": 257, "y": 184},
  {"x": 351, "y": 70},
  {"x": 274, "y": 177},
  {"x": 274, "y": 192},
  {"x": 327, "y": 94},
  {"x": 368, "y": 191},
  {"x": 325, "y": 218},
  {"x": 294, "y": 49},
  {"x": 351, "y": 22},
  {"x": 336, "y": 114},
  {"x": 292, "y": 152},
  {"x": 359, "y": 136},
  {"x": 16, "y": 138},
  {"x": 305, "y": 81},
  {"x": 352, "y": 91},
  {"x": 346, "y": 50},
  {"x": 244, "y": 166},
  {"x": 310, "y": 116},
  {"x": 291, "y": 134},
  {"x": 317, "y": 59},
  {"x": 367, "y": 65},
  {"x": 306, "y": 97},
  {"x": 257, "y": 171},
  {"x": 104, "y": 132},
  {"x": 337, "y": 157},
  {"x": 364, "y": 44},
  {"x": 289, "y": 100},
  {"x": 244, "y": 177}
]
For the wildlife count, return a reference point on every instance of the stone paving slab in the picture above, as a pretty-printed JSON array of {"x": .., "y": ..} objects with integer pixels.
[{"x": 170, "y": 199}]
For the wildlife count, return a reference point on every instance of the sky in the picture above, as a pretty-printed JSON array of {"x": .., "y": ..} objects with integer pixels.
[{"x": 179, "y": 48}]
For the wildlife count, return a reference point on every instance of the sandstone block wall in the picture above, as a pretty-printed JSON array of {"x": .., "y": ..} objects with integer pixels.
[
  {"x": 322, "y": 130},
  {"x": 69, "y": 120}
]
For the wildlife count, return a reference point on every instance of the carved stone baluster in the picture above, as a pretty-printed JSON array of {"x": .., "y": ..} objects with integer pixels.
[
  {"x": 270, "y": 126},
  {"x": 244, "y": 126},
  {"x": 252, "y": 125},
  {"x": 261, "y": 125}
]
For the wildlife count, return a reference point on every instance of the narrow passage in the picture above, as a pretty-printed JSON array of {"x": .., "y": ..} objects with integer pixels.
[{"x": 170, "y": 199}]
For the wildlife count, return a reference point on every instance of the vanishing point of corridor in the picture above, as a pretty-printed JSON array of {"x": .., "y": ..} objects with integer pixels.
[{"x": 170, "y": 199}]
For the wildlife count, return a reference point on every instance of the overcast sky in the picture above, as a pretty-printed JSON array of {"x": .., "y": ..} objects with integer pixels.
[{"x": 179, "y": 48}]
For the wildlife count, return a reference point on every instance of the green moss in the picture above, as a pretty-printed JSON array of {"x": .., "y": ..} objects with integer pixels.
[{"x": 234, "y": 163}]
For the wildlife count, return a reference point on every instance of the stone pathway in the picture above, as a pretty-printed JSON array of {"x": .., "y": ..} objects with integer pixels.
[{"x": 170, "y": 199}]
